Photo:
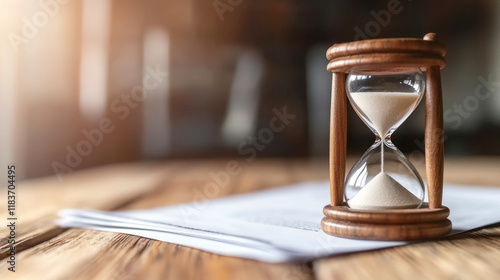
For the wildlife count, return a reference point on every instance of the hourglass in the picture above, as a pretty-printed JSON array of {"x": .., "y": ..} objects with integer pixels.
[{"x": 382, "y": 197}]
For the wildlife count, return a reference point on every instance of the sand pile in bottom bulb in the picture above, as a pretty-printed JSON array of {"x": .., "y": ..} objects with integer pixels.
[{"x": 383, "y": 192}]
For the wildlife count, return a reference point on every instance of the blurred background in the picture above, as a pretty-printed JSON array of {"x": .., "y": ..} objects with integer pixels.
[{"x": 92, "y": 82}]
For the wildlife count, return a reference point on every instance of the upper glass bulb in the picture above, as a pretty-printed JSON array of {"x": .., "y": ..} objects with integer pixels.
[{"x": 384, "y": 100}]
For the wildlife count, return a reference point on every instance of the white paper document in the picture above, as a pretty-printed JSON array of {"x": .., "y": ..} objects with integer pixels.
[{"x": 276, "y": 225}]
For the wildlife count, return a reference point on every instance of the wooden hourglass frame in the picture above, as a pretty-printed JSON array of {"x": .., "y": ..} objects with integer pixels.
[{"x": 428, "y": 221}]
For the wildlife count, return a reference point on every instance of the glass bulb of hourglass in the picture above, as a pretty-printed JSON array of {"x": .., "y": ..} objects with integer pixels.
[{"x": 383, "y": 178}]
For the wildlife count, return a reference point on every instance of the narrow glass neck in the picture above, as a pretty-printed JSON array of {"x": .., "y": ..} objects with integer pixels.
[{"x": 386, "y": 141}]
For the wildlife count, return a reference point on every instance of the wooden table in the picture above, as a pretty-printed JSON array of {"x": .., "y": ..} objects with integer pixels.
[{"x": 45, "y": 251}]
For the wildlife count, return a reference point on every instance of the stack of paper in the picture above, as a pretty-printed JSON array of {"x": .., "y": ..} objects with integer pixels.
[{"x": 276, "y": 225}]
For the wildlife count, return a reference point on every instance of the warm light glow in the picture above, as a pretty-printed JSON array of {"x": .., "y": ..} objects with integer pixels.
[
  {"x": 11, "y": 120},
  {"x": 96, "y": 16},
  {"x": 8, "y": 98}
]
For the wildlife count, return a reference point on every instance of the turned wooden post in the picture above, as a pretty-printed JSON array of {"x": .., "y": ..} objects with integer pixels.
[
  {"x": 434, "y": 133},
  {"x": 338, "y": 138}
]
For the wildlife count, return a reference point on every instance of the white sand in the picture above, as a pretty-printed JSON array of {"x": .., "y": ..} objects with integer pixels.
[
  {"x": 384, "y": 109},
  {"x": 383, "y": 192}
]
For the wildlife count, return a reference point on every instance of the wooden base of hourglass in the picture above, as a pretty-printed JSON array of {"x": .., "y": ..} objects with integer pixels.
[
  {"x": 401, "y": 224},
  {"x": 387, "y": 55}
]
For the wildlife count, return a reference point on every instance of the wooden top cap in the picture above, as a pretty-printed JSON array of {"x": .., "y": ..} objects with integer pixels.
[{"x": 383, "y": 54}]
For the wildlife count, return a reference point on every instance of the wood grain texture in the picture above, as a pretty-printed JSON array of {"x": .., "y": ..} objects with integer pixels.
[
  {"x": 390, "y": 45},
  {"x": 423, "y": 214},
  {"x": 105, "y": 188},
  {"x": 466, "y": 256},
  {"x": 434, "y": 137},
  {"x": 394, "y": 225},
  {"x": 87, "y": 254},
  {"x": 338, "y": 138},
  {"x": 382, "y": 54},
  {"x": 386, "y": 232},
  {"x": 380, "y": 62}
]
